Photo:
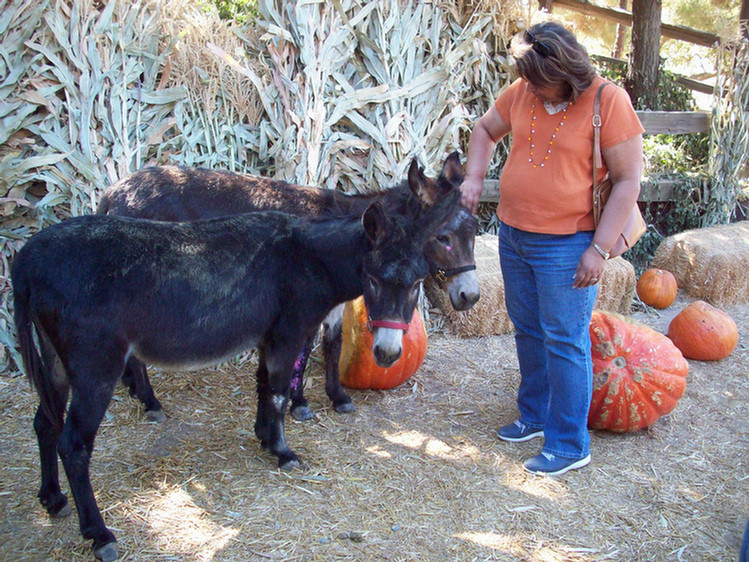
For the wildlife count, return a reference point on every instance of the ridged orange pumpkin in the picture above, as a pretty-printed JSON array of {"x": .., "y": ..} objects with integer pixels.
[
  {"x": 703, "y": 332},
  {"x": 638, "y": 374},
  {"x": 657, "y": 288},
  {"x": 357, "y": 366}
]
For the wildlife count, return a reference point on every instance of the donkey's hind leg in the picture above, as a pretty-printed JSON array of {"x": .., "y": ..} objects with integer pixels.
[
  {"x": 93, "y": 380},
  {"x": 299, "y": 408},
  {"x": 331, "y": 342},
  {"x": 135, "y": 377},
  {"x": 48, "y": 426},
  {"x": 48, "y": 435}
]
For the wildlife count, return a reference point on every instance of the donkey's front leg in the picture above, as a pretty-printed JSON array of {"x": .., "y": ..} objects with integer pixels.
[
  {"x": 273, "y": 397},
  {"x": 299, "y": 407},
  {"x": 331, "y": 343}
]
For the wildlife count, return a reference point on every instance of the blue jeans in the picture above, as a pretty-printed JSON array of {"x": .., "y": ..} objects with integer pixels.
[{"x": 551, "y": 322}]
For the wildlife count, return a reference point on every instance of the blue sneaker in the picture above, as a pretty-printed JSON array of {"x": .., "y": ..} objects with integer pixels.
[
  {"x": 517, "y": 431},
  {"x": 551, "y": 465}
]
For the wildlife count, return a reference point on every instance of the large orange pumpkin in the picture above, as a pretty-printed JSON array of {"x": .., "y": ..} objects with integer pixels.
[
  {"x": 638, "y": 374},
  {"x": 703, "y": 332},
  {"x": 657, "y": 288},
  {"x": 357, "y": 366}
]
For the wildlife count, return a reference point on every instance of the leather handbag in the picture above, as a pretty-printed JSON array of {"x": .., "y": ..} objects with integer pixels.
[{"x": 635, "y": 226}]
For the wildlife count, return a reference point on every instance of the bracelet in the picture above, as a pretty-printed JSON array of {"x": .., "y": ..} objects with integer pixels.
[{"x": 605, "y": 255}]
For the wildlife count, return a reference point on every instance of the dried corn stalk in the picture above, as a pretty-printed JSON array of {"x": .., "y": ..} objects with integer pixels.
[
  {"x": 80, "y": 109},
  {"x": 729, "y": 133}
]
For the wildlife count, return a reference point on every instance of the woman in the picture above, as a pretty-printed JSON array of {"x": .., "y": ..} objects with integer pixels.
[{"x": 551, "y": 254}]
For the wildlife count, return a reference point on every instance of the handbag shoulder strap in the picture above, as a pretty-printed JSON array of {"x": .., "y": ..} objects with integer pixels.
[{"x": 597, "y": 158}]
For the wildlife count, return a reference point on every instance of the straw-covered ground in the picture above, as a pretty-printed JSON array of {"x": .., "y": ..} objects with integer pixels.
[{"x": 415, "y": 474}]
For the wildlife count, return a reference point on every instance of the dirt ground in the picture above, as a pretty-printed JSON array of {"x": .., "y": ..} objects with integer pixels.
[{"x": 416, "y": 474}]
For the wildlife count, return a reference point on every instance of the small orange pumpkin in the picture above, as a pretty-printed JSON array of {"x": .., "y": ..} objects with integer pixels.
[
  {"x": 357, "y": 366},
  {"x": 638, "y": 374},
  {"x": 703, "y": 332},
  {"x": 657, "y": 288}
]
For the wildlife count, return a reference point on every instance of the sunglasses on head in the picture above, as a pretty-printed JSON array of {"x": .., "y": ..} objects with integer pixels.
[{"x": 538, "y": 46}]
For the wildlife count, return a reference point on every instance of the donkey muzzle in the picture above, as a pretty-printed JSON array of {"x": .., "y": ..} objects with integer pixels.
[{"x": 387, "y": 345}]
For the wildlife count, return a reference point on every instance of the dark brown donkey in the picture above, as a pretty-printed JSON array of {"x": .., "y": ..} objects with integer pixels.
[
  {"x": 96, "y": 291},
  {"x": 172, "y": 193}
]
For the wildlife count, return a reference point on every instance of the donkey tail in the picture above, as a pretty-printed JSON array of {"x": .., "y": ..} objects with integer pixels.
[{"x": 41, "y": 374}]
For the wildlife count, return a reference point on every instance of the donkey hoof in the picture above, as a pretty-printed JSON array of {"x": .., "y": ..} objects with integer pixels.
[
  {"x": 107, "y": 553},
  {"x": 301, "y": 413},
  {"x": 57, "y": 507},
  {"x": 345, "y": 408},
  {"x": 64, "y": 511},
  {"x": 156, "y": 415},
  {"x": 287, "y": 464}
]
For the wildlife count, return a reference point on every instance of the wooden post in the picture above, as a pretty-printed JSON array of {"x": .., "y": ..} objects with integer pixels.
[
  {"x": 644, "y": 59},
  {"x": 621, "y": 32}
]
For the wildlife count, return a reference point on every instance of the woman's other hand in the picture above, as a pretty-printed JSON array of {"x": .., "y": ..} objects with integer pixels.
[{"x": 589, "y": 270}]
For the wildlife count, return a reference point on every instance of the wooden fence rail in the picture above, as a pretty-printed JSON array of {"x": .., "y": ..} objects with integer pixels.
[
  {"x": 680, "y": 32},
  {"x": 674, "y": 122}
]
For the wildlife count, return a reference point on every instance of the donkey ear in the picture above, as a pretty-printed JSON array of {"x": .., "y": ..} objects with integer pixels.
[
  {"x": 374, "y": 221},
  {"x": 422, "y": 187},
  {"x": 452, "y": 170}
]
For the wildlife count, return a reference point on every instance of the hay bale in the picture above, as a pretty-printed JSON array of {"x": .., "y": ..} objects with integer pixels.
[
  {"x": 711, "y": 264},
  {"x": 489, "y": 315},
  {"x": 616, "y": 289}
]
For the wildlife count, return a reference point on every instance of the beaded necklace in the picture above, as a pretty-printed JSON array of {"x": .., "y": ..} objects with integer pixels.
[{"x": 551, "y": 139}]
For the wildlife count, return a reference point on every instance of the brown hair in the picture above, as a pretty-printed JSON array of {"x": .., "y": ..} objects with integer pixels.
[{"x": 567, "y": 63}]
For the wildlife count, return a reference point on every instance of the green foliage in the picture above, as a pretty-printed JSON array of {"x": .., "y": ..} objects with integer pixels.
[
  {"x": 671, "y": 95},
  {"x": 240, "y": 11},
  {"x": 710, "y": 15},
  {"x": 676, "y": 154},
  {"x": 665, "y": 218},
  {"x": 610, "y": 69}
]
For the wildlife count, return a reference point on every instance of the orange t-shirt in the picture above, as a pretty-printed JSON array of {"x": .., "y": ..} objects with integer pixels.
[{"x": 557, "y": 198}]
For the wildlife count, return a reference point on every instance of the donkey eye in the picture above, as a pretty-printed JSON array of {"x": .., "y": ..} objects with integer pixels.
[
  {"x": 373, "y": 284},
  {"x": 444, "y": 240}
]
